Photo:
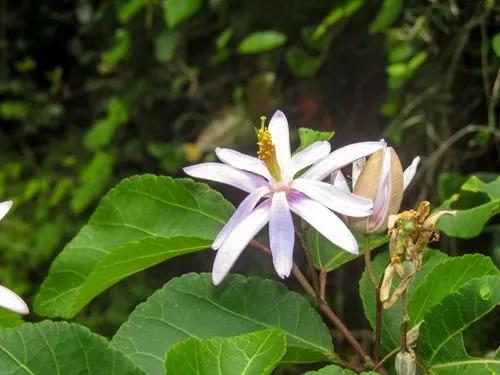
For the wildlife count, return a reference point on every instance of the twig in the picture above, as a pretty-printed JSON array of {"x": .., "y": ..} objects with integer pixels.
[
  {"x": 379, "y": 365},
  {"x": 495, "y": 90},
  {"x": 322, "y": 283},
  {"x": 378, "y": 320},
  {"x": 323, "y": 307},
  {"x": 404, "y": 322},
  {"x": 368, "y": 263}
]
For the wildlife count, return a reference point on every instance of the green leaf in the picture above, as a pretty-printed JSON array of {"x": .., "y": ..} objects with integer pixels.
[
  {"x": 301, "y": 63},
  {"x": 10, "y": 319},
  {"x": 59, "y": 348},
  {"x": 256, "y": 353},
  {"x": 391, "y": 318},
  {"x": 448, "y": 319},
  {"x": 165, "y": 46},
  {"x": 191, "y": 306},
  {"x": 127, "y": 9},
  {"x": 476, "y": 203},
  {"x": 308, "y": 136},
  {"x": 177, "y": 11},
  {"x": 335, "y": 15},
  {"x": 445, "y": 279},
  {"x": 388, "y": 13},
  {"x": 142, "y": 214},
  {"x": 449, "y": 183},
  {"x": 326, "y": 255},
  {"x": 495, "y": 43},
  {"x": 336, "y": 370},
  {"x": 119, "y": 51},
  {"x": 261, "y": 41}
]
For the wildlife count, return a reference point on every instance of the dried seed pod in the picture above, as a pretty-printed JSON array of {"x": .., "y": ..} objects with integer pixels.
[{"x": 405, "y": 364}]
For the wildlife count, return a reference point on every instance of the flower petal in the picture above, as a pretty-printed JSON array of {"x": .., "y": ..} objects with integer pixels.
[
  {"x": 357, "y": 166},
  {"x": 309, "y": 155},
  {"x": 278, "y": 127},
  {"x": 325, "y": 221},
  {"x": 334, "y": 198},
  {"x": 4, "y": 208},
  {"x": 342, "y": 157},
  {"x": 381, "y": 200},
  {"x": 410, "y": 172},
  {"x": 245, "y": 207},
  {"x": 281, "y": 234},
  {"x": 226, "y": 174},
  {"x": 241, "y": 161},
  {"x": 237, "y": 240},
  {"x": 11, "y": 301},
  {"x": 338, "y": 180}
]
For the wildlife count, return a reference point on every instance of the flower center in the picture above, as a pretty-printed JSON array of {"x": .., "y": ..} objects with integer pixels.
[{"x": 267, "y": 151}]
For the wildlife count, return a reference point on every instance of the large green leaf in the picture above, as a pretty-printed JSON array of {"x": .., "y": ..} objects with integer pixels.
[
  {"x": 336, "y": 370},
  {"x": 473, "y": 210},
  {"x": 326, "y": 255},
  {"x": 445, "y": 279},
  {"x": 191, "y": 306},
  {"x": 391, "y": 318},
  {"x": 440, "y": 346},
  {"x": 139, "y": 223},
  {"x": 9, "y": 319},
  {"x": 60, "y": 348},
  {"x": 256, "y": 353},
  {"x": 261, "y": 41}
]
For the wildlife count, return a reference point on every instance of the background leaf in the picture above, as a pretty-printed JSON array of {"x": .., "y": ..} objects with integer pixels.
[
  {"x": 308, "y": 136},
  {"x": 60, "y": 348},
  {"x": 177, "y": 11},
  {"x": 261, "y": 41},
  {"x": 137, "y": 208},
  {"x": 388, "y": 13},
  {"x": 256, "y": 353},
  {"x": 191, "y": 306},
  {"x": 336, "y": 370}
]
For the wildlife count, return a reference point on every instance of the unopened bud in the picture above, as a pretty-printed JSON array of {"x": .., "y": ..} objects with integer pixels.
[
  {"x": 405, "y": 364},
  {"x": 381, "y": 180}
]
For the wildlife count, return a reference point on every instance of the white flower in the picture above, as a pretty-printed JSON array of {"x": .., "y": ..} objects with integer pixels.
[
  {"x": 271, "y": 176},
  {"x": 8, "y": 299}
]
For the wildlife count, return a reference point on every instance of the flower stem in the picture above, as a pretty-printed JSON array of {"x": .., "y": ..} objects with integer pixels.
[
  {"x": 404, "y": 322},
  {"x": 322, "y": 283},
  {"x": 368, "y": 263}
]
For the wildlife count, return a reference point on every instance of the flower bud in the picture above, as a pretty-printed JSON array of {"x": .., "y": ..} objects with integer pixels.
[
  {"x": 405, "y": 364},
  {"x": 380, "y": 180}
]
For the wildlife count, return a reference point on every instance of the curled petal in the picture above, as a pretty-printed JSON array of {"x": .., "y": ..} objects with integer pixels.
[
  {"x": 11, "y": 301},
  {"x": 334, "y": 198},
  {"x": 241, "y": 161},
  {"x": 357, "y": 166},
  {"x": 338, "y": 180},
  {"x": 227, "y": 175},
  {"x": 325, "y": 221},
  {"x": 278, "y": 127},
  {"x": 281, "y": 234},
  {"x": 237, "y": 240},
  {"x": 410, "y": 172},
  {"x": 309, "y": 155},
  {"x": 245, "y": 207},
  {"x": 342, "y": 157},
  {"x": 4, "y": 208}
]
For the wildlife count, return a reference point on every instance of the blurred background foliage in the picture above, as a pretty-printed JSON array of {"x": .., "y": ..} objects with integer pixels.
[{"x": 93, "y": 91}]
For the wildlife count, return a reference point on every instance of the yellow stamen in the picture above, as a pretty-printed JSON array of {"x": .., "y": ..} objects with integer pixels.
[{"x": 267, "y": 151}]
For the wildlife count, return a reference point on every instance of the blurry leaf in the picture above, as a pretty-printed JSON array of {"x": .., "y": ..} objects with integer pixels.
[
  {"x": 129, "y": 218},
  {"x": 388, "y": 13},
  {"x": 191, "y": 306},
  {"x": 401, "y": 52},
  {"x": 397, "y": 70},
  {"x": 93, "y": 179},
  {"x": 495, "y": 43},
  {"x": 256, "y": 353},
  {"x": 309, "y": 136},
  {"x": 26, "y": 65},
  {"x": 224, "y": 38},
  {"x": 84, "y": 11},
  {"x": 337, "y": 13},
  {"x": 336, "y": 370},
  {"x": 447, "y": 320},
  {"x": 471, "y": 216},
  {"x": 126, "y": 9},
  {"x": 444, "y": 279},
  {"x": 177, "y": 11},
  {"x": 112, "y": 57},
  {"x": 391, "y": 318},
  {"x": 170, "y": 155},
  {"x": 326, "y": 255},
  {"x": 9, "y": 319},
  {"x": 261, "y": 41},
  {"x": 60, "y": 348},
  {"x": 14, "y": 110},
  {"x": 261, "y": 94},
  {"x": 301, "y": 63},
  {"x": 165, "y": 46},
  {"x": 449, "y": 183}
]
